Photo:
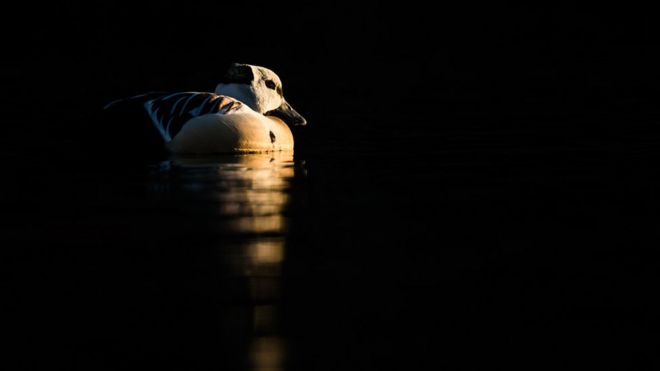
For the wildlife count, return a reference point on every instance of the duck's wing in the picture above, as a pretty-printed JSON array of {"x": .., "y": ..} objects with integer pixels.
[{"x": 170, "y": 112}]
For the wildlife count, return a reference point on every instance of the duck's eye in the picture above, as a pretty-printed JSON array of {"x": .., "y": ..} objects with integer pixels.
[{"x": 270, "y": 84}]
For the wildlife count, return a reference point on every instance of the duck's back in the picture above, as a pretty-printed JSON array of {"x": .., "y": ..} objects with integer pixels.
[
  {"x": 198, "y": 122},
  {"x": 170, "y": 112}
]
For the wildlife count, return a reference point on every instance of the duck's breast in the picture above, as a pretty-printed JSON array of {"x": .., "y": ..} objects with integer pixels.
[{"x": 238, "y": 132}]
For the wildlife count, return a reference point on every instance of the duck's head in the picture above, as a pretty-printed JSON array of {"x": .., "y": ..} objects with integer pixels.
[{"x": 261, "y": 89}]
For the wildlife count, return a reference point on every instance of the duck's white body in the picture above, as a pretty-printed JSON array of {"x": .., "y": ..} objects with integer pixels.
[
  {"x": 247, "y": 113},
  {"x": 240, "y": 132}
]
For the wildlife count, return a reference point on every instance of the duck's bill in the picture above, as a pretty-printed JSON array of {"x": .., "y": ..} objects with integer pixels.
[{"x": 287, "y": 114}]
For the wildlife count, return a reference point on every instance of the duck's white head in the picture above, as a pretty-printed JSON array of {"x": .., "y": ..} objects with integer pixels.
[{"x": 261, "y": 89}]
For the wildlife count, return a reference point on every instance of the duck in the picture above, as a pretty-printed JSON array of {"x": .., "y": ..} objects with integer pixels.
[{"x": 247, "y": 113}]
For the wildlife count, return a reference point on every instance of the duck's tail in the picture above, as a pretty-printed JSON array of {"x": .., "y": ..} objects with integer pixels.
[{"x": 142, "y": 98}]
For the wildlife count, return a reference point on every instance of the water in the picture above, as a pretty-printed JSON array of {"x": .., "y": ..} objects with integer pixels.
[
  {"x": 483, "y": 253},
  {"x": 245, "y": 198}
]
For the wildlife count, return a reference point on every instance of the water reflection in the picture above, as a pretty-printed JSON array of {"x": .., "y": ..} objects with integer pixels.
[{"x": 249, "y": 194}]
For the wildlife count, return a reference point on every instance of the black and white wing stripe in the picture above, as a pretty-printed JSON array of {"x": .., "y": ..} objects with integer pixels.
[{"x": 170, "y": 112}]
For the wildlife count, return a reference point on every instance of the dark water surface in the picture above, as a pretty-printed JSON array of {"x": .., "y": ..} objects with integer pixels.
[{"x": 480, "y": 252}]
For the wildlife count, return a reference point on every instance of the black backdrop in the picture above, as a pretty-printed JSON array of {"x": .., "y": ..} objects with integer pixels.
[
  {"x": 521, "y": 130},
  {"x": 366, "y": 66}
]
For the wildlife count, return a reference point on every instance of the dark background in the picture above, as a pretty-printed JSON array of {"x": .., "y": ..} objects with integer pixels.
[
  {"x": 482, "y": 185},
  {"x": 345, "y": 65}
]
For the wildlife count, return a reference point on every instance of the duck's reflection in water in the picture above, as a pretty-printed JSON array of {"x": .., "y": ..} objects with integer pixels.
[{"x": 250, "y": 194}]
